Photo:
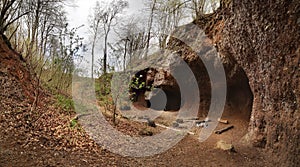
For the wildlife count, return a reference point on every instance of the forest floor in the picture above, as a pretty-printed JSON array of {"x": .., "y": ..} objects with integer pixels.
[{"x": 50, "y": 141}]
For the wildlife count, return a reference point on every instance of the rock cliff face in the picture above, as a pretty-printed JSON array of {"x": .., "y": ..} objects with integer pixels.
[
  {"x": 264, "y": 39},
  {"x": 190, "y": 47},
  {"x": 199, "y": 47},
  {"x": 259, "y": 44}
]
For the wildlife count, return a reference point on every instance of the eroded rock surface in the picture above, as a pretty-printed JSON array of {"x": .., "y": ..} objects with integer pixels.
[
  {"x": 264, "y": 39},
  {"x": 259, "y": 44}
]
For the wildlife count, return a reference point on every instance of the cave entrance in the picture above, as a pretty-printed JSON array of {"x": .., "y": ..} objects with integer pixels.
[
  {"x": 239, "y": 99},
  {"x": 165, "y": 98},
  {"x": 238, "y": 108},
  {"x": 145, "y": 95},
  {"x": 238, "y": 105}
]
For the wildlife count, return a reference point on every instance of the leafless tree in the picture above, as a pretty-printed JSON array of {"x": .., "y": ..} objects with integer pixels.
[
  {"x": 201, "y": 7},
  {"x": 168, "y": 14},
  {"x": 107, "y": 15},
  {"x": 9, "y": 13},
  {"x": 152, "y": 6},
  {"x": 132, "y": 40},
  {"x": 94, "y": 21}
]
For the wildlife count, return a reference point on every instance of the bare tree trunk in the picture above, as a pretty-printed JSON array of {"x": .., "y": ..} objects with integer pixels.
[
  {"x": 93, "y": 54},
  {"x": 125, "y": 54},
  {"x": 150, "y": 28},
  {"x": 104, "y": 61},
  {"x": 105, "y": 53},
  {"x": 34, "y": 32}
]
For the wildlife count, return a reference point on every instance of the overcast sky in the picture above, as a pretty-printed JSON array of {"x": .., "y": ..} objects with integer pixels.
[{"x": 78, "y": 14}]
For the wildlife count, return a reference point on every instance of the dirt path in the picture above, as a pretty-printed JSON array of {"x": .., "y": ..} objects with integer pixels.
[
  {"x": 188, "y": 152},
  {"x": 49, "y": 149}
]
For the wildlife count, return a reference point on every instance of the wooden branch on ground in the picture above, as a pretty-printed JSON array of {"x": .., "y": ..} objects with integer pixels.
[
  {"x": 178, "y": 130},
  {"x": 223, "y": 130}
]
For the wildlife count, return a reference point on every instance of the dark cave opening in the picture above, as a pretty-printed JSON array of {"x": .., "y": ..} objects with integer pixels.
[
  {"x": 239, "y": 99},
  {"x": 165, "y": 98},
  {"x": 144, "y": 95}
]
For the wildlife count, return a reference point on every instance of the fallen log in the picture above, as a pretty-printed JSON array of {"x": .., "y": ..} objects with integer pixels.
[{"x": 223, "y": 130}]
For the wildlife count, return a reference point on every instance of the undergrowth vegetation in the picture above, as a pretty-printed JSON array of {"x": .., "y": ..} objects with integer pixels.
[
  {"x": 65, "y": 102},
  {"x": 103, "y": 91}
]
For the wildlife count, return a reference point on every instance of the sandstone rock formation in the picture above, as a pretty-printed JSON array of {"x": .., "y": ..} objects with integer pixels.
[
  {"x": 259, "y": 44},
  {"x": 264, "y": 39}
]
